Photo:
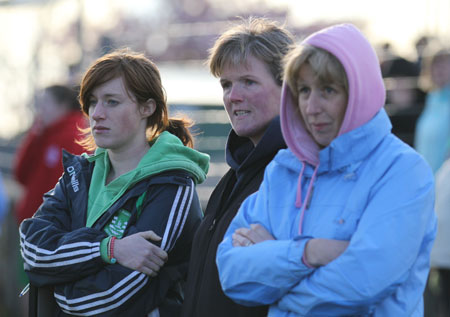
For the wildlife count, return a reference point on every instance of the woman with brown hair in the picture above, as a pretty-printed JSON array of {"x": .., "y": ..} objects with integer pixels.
[{"x": 89, "y": 237}]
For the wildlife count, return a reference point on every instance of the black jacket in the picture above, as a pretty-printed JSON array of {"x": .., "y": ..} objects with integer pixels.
[
  {"x": 60, "y": 251},
  {"x": 204, "y": 296}
]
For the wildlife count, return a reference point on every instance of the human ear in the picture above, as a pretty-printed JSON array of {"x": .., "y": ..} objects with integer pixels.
[{"x": 148, "y": 108}]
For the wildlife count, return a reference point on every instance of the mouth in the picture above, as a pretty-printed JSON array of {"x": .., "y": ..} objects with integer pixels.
[
  {"x": 99, "y": 129},
  {"x": 319, "y": 126},
  {"x": 239, "y": 113}
]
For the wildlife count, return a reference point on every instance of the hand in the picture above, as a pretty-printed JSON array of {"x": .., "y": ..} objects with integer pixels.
[
  {"x": 319, "y": 252},
  {"x": 138, "y": 253},
  {"x": 244, "y": 237}
]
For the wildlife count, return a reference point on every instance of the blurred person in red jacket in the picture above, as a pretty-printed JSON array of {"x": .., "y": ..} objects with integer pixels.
[{"x": 38, "y": 164}]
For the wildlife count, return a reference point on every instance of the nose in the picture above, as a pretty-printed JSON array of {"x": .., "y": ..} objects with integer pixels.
[
  {"x": 235, "y": 94},
  {"x": 97, "y": 112},
  {"x": 313, "y": 103}
]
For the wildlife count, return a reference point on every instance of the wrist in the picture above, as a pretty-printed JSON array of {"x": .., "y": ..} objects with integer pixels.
[
  {"x": 306, "y": 262},
  {"x": 309, "y": 257}
]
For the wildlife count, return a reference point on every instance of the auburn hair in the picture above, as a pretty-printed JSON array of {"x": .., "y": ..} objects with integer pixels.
[{"x": 142, "y": 81}]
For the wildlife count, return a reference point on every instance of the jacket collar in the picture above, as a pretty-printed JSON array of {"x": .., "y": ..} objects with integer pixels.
[
  {"x": 242, "y": 155},
  {"x": 354, "y": 146}
]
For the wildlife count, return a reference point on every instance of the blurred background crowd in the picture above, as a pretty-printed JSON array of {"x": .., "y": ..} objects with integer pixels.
[{"x": 45, "y": 46}]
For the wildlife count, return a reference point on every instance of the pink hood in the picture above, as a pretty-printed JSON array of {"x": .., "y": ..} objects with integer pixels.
[
  {"x": 366, "y": 97},
  {"x": 366, "y": 88}
]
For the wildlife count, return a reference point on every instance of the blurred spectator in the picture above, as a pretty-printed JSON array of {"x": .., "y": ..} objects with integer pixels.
[
  {"x": 432, "y": 137},
  {"x": 404, "y": 98},
  {"x": 421, "y": 46},
  {"x": 397, "y": 66},
  {"x": 440, "y": 254},
  {"x": 38, "y": 160},
  {"x": 3, "y": 203},
  {"x": 38, "y": 163},
  {"x": 401, "y": 77},
  {"x": 38, "y": 166}
]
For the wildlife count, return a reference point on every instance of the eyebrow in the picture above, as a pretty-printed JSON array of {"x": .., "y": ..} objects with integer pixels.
[
  {"x": 248, "y": 76},
  {"x": 108, "y": 95},
  {"x": 245, "y": 76}
]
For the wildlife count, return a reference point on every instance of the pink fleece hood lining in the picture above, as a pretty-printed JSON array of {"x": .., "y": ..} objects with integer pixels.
[{"x": 366, "y": 96}]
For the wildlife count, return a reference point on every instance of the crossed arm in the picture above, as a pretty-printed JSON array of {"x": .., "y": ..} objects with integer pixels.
[
  {"x": 48, "y": 249},
  {"x": 138, "y": 253},
  {"x": 274, "y": 274},
  {"x": 317, "y": 252}
]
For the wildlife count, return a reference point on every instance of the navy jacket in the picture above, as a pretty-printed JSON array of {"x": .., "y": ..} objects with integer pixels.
[
  {"x": 204, "y": 296},
  {"x": 59, "y": 250}
]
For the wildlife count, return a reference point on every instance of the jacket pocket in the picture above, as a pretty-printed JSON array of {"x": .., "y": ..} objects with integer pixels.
[{"x": 345, "y": 224}]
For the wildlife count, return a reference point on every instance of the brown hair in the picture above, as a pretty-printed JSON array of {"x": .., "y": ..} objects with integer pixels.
[
  {"x": 258, "y": 37},
  {"x": 142, "y": 81},
  {"x": 324, "y": 64}
]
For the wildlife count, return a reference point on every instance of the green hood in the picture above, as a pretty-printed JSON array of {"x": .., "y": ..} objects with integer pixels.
[{"x": 166, "y": 153}]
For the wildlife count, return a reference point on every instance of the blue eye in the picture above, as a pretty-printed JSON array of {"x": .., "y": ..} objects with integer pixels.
[
  {"x": 111, "y": 102},
  {"x": 249, "y": 82},
  {"x": 303, "y": 90},
  {"x": 329, "y": 89}
]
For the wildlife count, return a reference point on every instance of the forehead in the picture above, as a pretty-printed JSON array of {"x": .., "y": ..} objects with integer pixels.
[
  {"x": 322, "y": 75},
  {"x": 112, "y": 86},
  {"x": 307, "y": 73},
  {"x": 250, "y": 66}
]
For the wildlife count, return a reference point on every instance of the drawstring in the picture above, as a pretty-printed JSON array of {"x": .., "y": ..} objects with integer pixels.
[
  {"x": 298, "y": 202},
  {"x": 310, "y": 187}
]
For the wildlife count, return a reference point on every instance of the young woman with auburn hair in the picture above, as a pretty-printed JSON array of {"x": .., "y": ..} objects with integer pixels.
[{"x": 113, "y": 237}]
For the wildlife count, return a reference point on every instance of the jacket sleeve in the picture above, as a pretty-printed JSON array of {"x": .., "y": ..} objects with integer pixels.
[
  {"x": 387, "y": 254},
  {"x": 117, "y": 290},
  {"x": 52, "y": 252},
  {"x": 261, "y": 273}
]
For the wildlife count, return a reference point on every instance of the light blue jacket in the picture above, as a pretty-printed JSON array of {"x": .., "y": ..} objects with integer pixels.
[
  {"x": 367, "y": 187},
  {"x": 432, "y": 137}
]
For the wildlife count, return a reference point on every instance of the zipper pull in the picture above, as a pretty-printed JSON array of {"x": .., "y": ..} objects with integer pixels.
[{"x": 211, "y": 227}]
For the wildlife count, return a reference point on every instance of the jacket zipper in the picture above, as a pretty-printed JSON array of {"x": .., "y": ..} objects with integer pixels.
[{"x": 213, "y": 225}]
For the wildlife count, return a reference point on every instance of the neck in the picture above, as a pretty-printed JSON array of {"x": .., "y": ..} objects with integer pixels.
[{"x": 125, "y": 161}]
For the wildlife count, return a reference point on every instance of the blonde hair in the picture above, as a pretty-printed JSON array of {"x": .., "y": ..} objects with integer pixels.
[
  {"x": 258, "y": 37},
  {"x": 325, "y": 65}
]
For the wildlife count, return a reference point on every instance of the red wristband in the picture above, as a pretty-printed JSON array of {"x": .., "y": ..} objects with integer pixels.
[{"x": 111, "y": 250}]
